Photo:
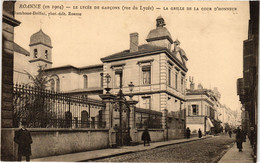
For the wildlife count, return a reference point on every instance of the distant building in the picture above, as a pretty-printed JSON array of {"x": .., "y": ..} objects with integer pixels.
[
  {"x": 227, "y": 116},
  {"x": 202, "y": 110},
  {"x": 29, "y": 62}
]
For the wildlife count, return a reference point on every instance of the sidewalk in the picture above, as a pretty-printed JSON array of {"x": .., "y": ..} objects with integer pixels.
[
  {"x": 103, "y": 153},
  {"x": 233, "y": 155}
]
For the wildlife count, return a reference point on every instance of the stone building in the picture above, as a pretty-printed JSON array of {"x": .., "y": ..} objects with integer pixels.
[
  {"x": 202, "y": 109},
  {"x": 247, "y": 87},
  {"x": 227, "y": 116},
  {"x": 29, "y": 62},
  {"x": 157, "y": 69}
]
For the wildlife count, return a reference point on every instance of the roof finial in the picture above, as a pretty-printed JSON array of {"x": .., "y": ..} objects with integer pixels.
[
  {"x": 160, "y": 21},
  {"x": 41, "y": 24}
]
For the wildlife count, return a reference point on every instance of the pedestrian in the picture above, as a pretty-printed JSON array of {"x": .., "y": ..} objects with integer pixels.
[
  {"x": 24, "y": 140},
  {"x": 230, "y": 133},
  {"x": 251, "y": 136},
  {"x": 188, "y": 132},
  {"x": 239, "y": 139},
  {"x": 146, "y": 137},
  {"x": 244, "y": 135},
  {"x": 200, "y": 134}
]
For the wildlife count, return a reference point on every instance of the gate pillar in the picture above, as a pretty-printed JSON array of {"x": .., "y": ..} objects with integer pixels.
[
  {"x": 133, "y": 130},
  {"x": 164, "y": 123},
  {"x": 108, "y": 116}
]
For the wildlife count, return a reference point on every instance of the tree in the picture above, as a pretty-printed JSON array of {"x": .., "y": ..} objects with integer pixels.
[
  {"x": 32, "y": 102},
  {"x": 40, "y": 80}
]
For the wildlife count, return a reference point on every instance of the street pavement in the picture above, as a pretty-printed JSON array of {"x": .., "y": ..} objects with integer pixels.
[
  {"x": 111, "y": 152},
  {"x": 233, "y": 155}
]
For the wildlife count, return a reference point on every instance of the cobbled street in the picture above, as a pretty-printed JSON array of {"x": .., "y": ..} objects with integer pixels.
[{"x": 207, "y": 150}]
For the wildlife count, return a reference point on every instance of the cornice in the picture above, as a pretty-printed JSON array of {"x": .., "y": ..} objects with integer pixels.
[{"x": 10, "y": 20}]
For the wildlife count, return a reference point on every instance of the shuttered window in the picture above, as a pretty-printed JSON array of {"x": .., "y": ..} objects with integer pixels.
[
  {"x": 195, "y": 109},
  {"x": 189, "y": 110},
  {"x": 146, "y": 70}
]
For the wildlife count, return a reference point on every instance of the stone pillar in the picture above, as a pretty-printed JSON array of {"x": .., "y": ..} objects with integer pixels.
[
  {"x": 164, "y": 123},
  {"x": 108, "y": 116},
  {"x": 163, "y": 105},
  {"x": 8, "y": 24},
  {"x": 8, "y": 147},
  {"x": 133, "y": 130}
]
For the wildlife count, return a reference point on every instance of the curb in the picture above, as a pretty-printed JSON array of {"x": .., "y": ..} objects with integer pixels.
[{"x": 140, "y": 150}]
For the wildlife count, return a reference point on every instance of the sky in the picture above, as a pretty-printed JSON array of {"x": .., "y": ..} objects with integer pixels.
[{"x": 212, "y": 39}]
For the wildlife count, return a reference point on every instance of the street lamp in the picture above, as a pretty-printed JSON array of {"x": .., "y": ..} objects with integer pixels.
[
  {"x": 108, "y": 79},
  {"x": 131, "y": 88}
]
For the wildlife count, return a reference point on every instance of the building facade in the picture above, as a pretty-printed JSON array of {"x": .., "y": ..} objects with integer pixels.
[
  {"x": 247, "y": 87},
  {"x": 202, "y": 110},
  {"x": 157, "y": 69}
]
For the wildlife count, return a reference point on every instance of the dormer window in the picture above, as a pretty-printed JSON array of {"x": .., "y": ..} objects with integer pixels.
[
  {"x": 35, "y": 52},
  {"x": 46, "y": 54}
]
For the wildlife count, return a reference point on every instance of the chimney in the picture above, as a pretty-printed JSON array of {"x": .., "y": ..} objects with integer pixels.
[{"x": 133, "y": 42}]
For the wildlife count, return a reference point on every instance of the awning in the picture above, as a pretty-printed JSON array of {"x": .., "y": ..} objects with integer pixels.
[{"x": 210, "y": 123}]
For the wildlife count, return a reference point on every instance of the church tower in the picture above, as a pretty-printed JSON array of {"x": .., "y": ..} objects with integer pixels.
[
  {"x": 160, "y": 36},
  {"x": 41, "y": 50}
]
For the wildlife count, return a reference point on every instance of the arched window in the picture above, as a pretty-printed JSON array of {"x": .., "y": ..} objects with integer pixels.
[
  {"x": 35, "y": 52},
  {"x": 46, "y": 54},
  {"x": 52, "y": 85},
  {"x": 84, "y": 119},
  {"x": 85, "y": 81},
  {"x": 57, "y": 84}
]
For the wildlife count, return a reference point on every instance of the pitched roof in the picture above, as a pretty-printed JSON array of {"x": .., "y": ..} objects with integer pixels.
[
  {"x": 126, "y": 53},
  {"x": 19, "y": 49},
  {"x": 73, "y": 67},
  {"x": 142, "y": 50},
  {"x": 92, "y": 89}
]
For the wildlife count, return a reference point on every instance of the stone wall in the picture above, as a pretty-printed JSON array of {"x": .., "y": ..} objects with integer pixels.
[
  {"x": 175, "y": 134},
  {"x": 49, "y": 142},
  {"x": 155, "y": 134}
]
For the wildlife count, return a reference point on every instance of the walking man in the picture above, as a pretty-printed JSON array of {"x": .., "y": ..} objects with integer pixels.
[
  {"x": 24, "y": 140},
  {"x": 200, "y": 133},
  {"x": 239, "y": 139},
  {"x": 230, "y": 133},
  {"x": 146, "y": 137},
  {"x": 188, "y": 132}
]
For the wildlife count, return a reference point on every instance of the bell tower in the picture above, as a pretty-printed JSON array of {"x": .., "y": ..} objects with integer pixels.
[
  {"x": 40, "y": 50},
  {"x": 160, "y": 36}
]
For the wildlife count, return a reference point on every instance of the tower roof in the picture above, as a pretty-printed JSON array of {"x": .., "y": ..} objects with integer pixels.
[
  {"x": 160, "y": 32},
  {"x": 40, "y": 38}
]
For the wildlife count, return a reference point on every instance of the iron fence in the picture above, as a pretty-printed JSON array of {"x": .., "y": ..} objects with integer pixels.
[
  {"x": 48, "y": 109},
  {"x": 148, "y": 118}
]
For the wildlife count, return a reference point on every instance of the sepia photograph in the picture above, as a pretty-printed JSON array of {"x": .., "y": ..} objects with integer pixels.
[{"x": 120, "y": 81}]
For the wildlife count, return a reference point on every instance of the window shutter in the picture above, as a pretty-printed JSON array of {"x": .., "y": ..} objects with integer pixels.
[
  {"x": 197, "y": 109},
  {"x": 189, "y": 109}
]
